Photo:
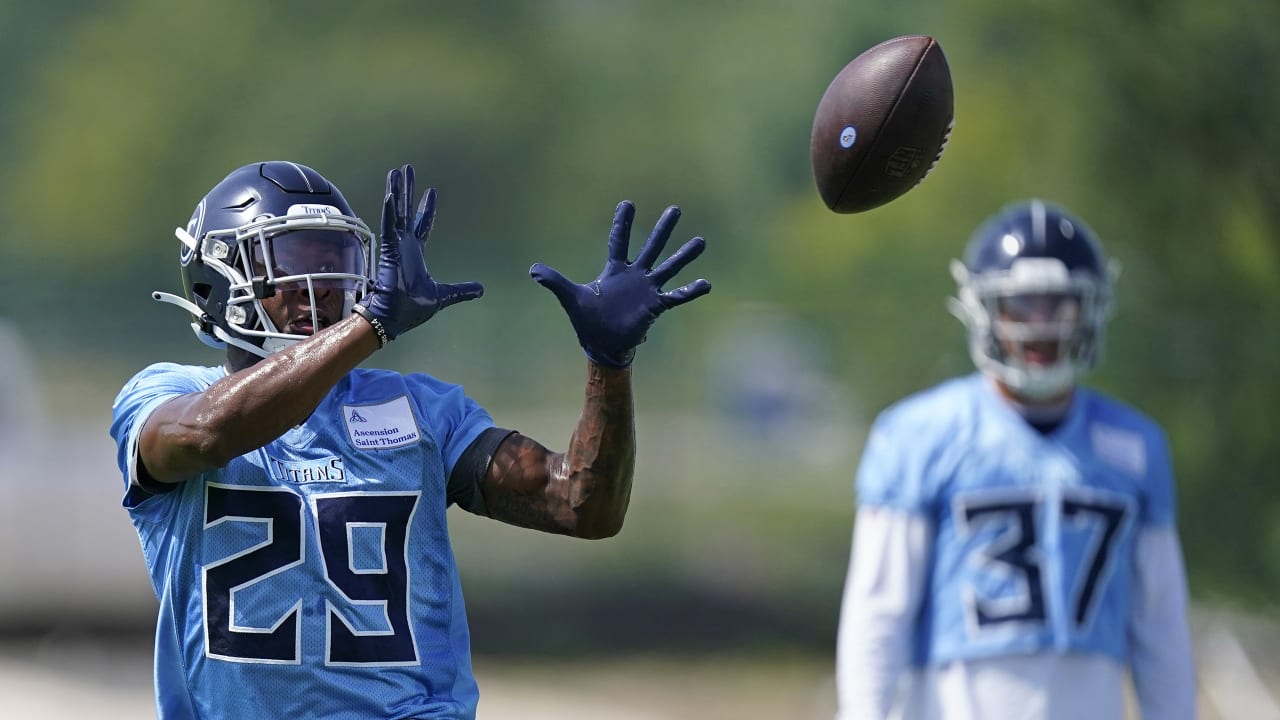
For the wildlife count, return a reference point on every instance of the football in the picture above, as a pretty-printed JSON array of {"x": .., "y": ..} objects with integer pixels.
[{"x": 882, "y": 124}]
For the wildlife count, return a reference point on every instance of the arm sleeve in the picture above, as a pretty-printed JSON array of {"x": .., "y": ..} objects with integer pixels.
[
  {"x": 888, "y": 570},
  {"x": 1163, "y": 665}
]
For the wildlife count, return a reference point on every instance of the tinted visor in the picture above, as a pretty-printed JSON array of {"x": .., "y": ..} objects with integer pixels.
[
  {"x": 334, "y": 258},
  {"x": 1055, "y": 308}
]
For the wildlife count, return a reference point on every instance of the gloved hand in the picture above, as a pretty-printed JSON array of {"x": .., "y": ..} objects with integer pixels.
[
  {"x": 612, "y": 313},
  {"x": 404, "y": 295}
]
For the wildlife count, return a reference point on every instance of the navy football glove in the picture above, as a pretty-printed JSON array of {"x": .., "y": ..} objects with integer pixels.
[
  {"x": 612, "y": 313},
  {"x": 404, "y": 295}
]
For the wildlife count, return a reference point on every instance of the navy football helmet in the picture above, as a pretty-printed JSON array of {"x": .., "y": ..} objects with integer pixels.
[
  {"x": 1035, "y": 292},
  {"x": 268, "y": 226}
]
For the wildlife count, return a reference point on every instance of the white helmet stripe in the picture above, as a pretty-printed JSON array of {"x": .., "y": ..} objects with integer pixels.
[{"x": 1038, "y": 221}]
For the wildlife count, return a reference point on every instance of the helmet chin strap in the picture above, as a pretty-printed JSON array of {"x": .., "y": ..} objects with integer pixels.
[
  {"x": 221, "y": 338},
  {"x": 273, "y": 342},
  {"x": 270, "y": 345},
  {"x": 1038, "y": 412},
  {"x": 1030, "y": 383},
  {"x": 249, "y": 347},
  {"x": 1038, "y": 384},
  {"x": 276, "y": 344},
  {"x": 196, "y": 327}
]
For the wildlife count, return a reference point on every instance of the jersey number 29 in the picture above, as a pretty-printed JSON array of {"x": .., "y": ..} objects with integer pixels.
[{"x": 336, "y": 516}]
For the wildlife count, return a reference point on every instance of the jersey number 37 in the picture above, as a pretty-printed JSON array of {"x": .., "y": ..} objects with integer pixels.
[{"x": 1089, "y": 527}]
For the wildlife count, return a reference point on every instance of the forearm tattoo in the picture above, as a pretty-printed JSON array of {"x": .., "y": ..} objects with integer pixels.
[{"x": 583, "y": 491}]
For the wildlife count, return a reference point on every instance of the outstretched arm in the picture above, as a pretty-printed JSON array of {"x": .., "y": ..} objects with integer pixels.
[
  {"x": 251, "y": 407},
  {"x": 585, "y": 491}
]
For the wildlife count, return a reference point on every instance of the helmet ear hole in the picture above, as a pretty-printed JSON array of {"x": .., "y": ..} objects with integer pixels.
[{"x": 201, "y": 290}]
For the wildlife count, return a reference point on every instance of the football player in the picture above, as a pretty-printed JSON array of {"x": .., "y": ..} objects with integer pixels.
[
  {"x": 1015, "y": 553},
  {"x": 291, "y": 504}
]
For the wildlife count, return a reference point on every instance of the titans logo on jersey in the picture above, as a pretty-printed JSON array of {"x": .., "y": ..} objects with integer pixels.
[
  {"x": 312, "y": 577},
  {"x": 1034, "y": 533}
]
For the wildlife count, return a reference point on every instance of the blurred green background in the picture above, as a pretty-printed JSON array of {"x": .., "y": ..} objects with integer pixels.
[{"x": 1154, "y": 121}]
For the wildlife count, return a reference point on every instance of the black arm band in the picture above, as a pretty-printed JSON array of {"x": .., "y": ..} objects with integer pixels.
[
  {"x": 363, "y": 312},
  {"x": 468, "y": 473}
]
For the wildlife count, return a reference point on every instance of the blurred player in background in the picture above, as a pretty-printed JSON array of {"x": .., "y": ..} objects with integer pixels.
[
  {"x": 291, "y": 505},
  {"x": 1015, "y": 553}
]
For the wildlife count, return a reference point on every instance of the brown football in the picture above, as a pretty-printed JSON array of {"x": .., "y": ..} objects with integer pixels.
[{"x": 882, "y": 124}]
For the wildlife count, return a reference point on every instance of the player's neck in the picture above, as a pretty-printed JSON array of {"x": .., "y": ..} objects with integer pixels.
[{"x": 238, "y": 359}]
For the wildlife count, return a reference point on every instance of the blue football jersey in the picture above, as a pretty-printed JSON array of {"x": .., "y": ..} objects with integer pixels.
[
  {"x": 1034, "y": 533},
  {"x": 313, "y": 577}
]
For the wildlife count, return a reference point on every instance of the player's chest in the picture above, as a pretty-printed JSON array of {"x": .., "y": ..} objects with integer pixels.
[
  {"x": 348, "y": 446},
  {"x": 1040, "y": 493},
  {"x": 1016, "y": 460}
]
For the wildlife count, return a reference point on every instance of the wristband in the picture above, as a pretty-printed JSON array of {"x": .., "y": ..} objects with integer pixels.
[{"x": 363, "y": 312}]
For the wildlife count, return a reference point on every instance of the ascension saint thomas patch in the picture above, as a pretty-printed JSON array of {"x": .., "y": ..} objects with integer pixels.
[{"x": 380, "y": 427}]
